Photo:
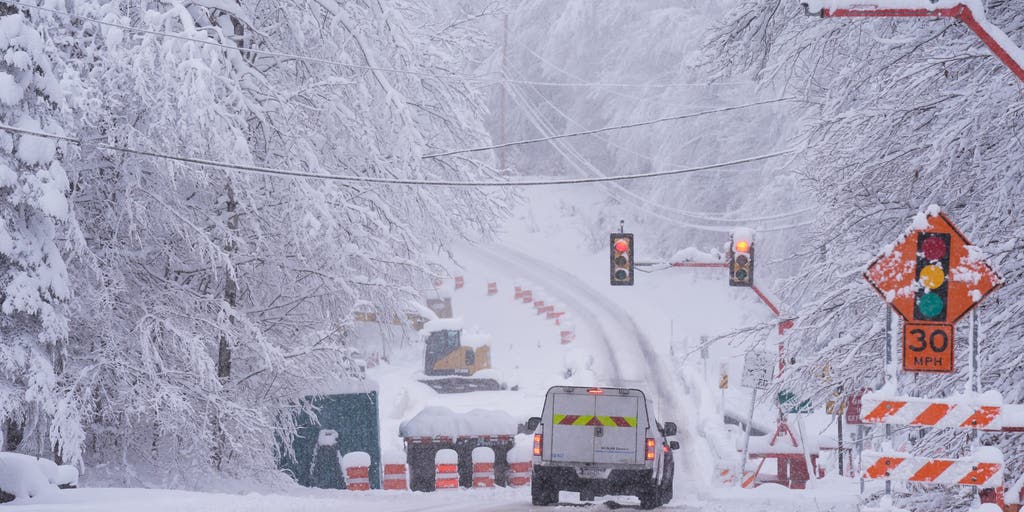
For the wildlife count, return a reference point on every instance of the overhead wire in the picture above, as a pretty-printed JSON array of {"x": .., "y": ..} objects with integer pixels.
[
  {"x": 610, "y": 128},
  {"x": 704, "y": 216},
  {"x": 411, "y": 72},
  {"x": 579, "y": 162},
  {"x": 389, "y": 181}
]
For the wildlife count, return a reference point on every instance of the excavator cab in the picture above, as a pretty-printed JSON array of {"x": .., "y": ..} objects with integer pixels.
[{"x": 446, "y": 356}]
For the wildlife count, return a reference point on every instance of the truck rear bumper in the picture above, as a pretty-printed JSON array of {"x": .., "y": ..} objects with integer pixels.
[{"x": 619, "y": 482}]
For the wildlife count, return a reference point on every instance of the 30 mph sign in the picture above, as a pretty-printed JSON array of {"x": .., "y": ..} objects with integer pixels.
[{"x": 928, "y": 347}]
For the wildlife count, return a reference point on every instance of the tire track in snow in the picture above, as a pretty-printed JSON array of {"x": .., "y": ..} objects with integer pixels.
[
  {"x": 592, "y": 307},
  {"x": 579, "y": 310}
]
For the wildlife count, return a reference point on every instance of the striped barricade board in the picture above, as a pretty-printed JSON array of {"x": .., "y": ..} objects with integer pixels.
[
  {"x": 922, "y": 412},
  {"x": 982, "y": 469}
]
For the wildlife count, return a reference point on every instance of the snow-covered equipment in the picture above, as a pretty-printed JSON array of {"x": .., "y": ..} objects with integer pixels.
[
  {"x": 345, "y": 421},
  {"x": 601, "y": 441},
  {"x": 795, "y": 463},
  {"x": 445, "y": 356},
  {"x": 438, "y": 428}
]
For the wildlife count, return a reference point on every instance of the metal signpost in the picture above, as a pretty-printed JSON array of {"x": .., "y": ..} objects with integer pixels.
[{"x": 757, "y": 374}]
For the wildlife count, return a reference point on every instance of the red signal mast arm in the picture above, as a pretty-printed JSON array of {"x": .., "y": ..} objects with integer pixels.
[{"x": 997, "y": 41}]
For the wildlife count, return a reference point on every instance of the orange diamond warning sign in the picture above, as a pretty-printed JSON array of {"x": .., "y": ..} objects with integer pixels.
[{"x": 933, "y": 274}]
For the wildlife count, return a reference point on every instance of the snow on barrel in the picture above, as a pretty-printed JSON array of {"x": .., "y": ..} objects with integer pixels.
[
  {"x": 483, "y": 467},
  {"x": 447, "y": 463},
  {"x": 356, "y": 466},
  {"x": 395, "y": 470},
  {"x": 520, "y": 459}
]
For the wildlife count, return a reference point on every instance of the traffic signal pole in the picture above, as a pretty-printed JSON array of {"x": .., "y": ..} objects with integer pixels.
[{"x": 995, "y": 39}]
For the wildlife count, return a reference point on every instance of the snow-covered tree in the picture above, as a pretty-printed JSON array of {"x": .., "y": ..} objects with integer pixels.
[
  {"x": 34, "y": 211},
  {"x": 907, "y": 113}
]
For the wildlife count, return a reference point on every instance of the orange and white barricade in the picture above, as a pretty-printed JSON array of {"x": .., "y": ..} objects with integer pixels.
[
  {"x": 395, "y": 477},
  {"x": 492, "y": 289},
  {"x": 459, "y": 282},
  {"x": 520, "y": 462},
  {"x": 356, "y": 466},
  {"x": 527, "y": 296},
  {"x": 919, "y": 412},
  {"x": 984, "y": 468},
  {"x": 483, "y": 467},
  {"x": 446, "y": 462}
]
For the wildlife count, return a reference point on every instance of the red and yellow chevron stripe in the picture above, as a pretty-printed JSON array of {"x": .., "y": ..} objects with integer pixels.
[{"x": 594, "y": 421}]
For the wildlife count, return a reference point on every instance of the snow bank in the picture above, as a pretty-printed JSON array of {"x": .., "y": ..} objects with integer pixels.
[
  {"x": 26, "y": 477},
  {"x": 441, "y": 421}
]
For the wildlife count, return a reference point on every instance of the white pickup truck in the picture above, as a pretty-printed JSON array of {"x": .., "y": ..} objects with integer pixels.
[{"x": 598, "y": 442}]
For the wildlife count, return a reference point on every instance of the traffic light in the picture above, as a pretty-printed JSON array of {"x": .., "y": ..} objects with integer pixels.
[
  {"x": 931, "y": 292},
  {"x": 622, "y": 259},
  {"x": 741, "y": 259}
]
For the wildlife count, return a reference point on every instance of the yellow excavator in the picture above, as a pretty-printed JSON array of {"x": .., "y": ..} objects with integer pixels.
[{"x": 454, "y": 364}]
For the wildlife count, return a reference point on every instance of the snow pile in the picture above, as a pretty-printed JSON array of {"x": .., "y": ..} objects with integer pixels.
[
  {"x": 885, "y": 505},
  {"x": 26, "y": 477},
  {"x": 441, "y": 421}
]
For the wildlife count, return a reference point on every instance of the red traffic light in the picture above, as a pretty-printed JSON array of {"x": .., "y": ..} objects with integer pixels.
[
  {"x": 934, "y": 248},
  {"x": 621, "y": 245}
]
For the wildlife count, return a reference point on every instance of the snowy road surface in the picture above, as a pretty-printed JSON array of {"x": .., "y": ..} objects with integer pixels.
[{"x": 476, "y": 500}]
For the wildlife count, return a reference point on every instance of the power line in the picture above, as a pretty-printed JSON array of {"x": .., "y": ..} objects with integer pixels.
[
  {"x": 702, "y": 216},
  {"x": 362, "y": 67},
  {"x": 391, "y": 181},
  {"x": 609, "y": 128}
]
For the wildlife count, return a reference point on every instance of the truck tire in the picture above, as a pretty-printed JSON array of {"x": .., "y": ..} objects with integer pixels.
[
  {"x": 543, "y": 492},
  {"x": 651, "y": 497}
]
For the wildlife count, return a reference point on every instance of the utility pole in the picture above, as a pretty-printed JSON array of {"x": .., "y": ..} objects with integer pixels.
[{"x": 504, "y": 66}]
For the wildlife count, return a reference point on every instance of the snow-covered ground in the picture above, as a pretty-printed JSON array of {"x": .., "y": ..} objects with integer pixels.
[{"x": 645, "y": 336}]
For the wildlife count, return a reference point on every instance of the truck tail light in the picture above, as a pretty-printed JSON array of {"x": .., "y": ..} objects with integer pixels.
[
  {"x": 649, "y": 454},
  {"x": 538, "y": 441}
]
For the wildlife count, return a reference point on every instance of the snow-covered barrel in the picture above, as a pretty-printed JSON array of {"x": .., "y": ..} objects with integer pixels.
[
  {"x": 520, "y": 461},
  {"x": 483, "y": 467},
  {"x": 395, "y": 471},
  {"x": 492, "y": 288},
  {"x": 446, "y": 462},
  {"x": 356, "y": 466}
]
